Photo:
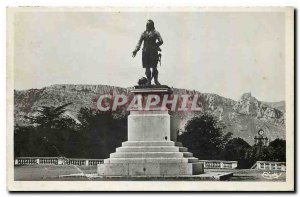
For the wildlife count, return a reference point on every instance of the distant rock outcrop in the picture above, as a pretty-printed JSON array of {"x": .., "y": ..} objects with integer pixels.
[
  {"x": 251, "y": 106},
  {"x": 277, "y": 105}
]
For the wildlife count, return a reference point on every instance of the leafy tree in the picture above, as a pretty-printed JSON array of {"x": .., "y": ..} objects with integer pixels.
[
  {"x": 235, "y": 150},
  {"x": 204, "y": 136},
  {"x": 30, "y": 141},
  {"x": 54, "y": 134},
  {"x": 50, "y": 117},
  {"x": 257, "y": 153},
  {"x": 277, "y": 150},
  {"x": 101, "y": 132},
  {"x": 49, "y": 132}
]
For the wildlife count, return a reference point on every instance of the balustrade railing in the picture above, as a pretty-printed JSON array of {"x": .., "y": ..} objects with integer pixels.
[
  {"x": 269, "y": 165},
  {"x": 56, "y": 161},
  {"x": 219, "y": 164}
]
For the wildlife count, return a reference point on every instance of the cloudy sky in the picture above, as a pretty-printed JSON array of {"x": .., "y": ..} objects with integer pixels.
[{"x": 223, "y": 53}]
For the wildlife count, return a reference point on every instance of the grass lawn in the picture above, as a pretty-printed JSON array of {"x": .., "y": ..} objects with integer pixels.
[{"x": 52, "y": 173}]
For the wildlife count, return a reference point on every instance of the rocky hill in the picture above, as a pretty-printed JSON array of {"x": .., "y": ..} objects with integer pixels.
[
  {"x": 243, "y": 117},
  {"x": 277, "y": 105}
]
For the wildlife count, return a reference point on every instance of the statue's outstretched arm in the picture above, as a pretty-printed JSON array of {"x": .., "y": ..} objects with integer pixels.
[{"x": 138, "y": 46}]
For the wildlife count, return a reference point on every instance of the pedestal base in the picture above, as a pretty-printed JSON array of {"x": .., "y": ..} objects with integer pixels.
[{"x": 150, "y": 158}]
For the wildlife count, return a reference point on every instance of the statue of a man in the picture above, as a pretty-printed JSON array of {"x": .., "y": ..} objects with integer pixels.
[{"x": 150, "y": 57}]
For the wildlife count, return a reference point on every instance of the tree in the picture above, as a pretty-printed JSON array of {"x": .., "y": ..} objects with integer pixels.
[
  {"x": 96, "y": 135},
  {"x": 235, "y": 150},
  {"x": 50, "y": 117},
  {"x": 257, "y": 153},
  {"x": 204, "y": 136},
  {"x": 49, "y": 132},
  {"x": 101, "y": 132},
  {"x": 277, "y": 150}
]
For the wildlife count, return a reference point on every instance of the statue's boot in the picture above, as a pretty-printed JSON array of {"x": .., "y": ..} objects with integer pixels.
[
  {"x": 155, "y": 75},
  {"x": 149, "y": 77}
]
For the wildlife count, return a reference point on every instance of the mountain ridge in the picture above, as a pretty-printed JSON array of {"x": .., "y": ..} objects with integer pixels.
[{"x": 243, "y": 117}]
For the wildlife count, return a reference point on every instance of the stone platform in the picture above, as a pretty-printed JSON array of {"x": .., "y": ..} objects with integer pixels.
[
  {"x": 150, "y": 158},
  {"x": 207, "y": 176}
]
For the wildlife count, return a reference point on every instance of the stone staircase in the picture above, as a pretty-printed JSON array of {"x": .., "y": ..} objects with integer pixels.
[{"x": 151, "y": 158}]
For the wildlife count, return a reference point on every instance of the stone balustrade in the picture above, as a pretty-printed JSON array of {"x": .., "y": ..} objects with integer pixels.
[
  {"x": 269, "y": 165},
  {"x": 56, "y": 161},
  {"x": 219, "y": 164}
]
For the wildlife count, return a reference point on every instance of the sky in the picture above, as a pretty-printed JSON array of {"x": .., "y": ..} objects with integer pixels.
[{"x": 227, "y": 53}]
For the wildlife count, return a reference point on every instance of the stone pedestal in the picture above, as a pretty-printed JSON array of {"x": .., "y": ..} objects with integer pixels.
[
  {"x": 148, "y": 126},
  {"x": 149, "y": 150}
]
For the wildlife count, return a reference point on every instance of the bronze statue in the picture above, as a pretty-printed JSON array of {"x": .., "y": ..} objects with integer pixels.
[{"x": 150, "y": 54}]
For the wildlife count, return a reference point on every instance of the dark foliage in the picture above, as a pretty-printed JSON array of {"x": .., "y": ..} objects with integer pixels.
[
  {"x": 52, "y": 133},
  {"x": 257, "y": 153},
  {"x": 204, "y": 136},
  {"x": 236, "y": 150},
  {"x": 51, "y": 117},
  {"x": 277, "y": 150},
  {"x": 101, "y": 132}
]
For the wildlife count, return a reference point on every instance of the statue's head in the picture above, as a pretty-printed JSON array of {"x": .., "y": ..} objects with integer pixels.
[{"x": 150, "y": 25}]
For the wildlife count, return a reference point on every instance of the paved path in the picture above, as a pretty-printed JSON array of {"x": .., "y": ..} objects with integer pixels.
[{"x": 75, "y": 173}]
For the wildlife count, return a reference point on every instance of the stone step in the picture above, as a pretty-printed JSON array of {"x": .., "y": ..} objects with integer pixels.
[
  {"x": 193, "y": 160},
  {"x": 183, "y": 149},
  {"x": 148, "y": 149},
  {"x": 146, "y": 160},
  {"x": 148, "y": 143},
  {"x": 147, "y": 155},
  {"x": 187, "y": 154},
  {"x": 147, "y": 169},
  {"x": 198, "y": 168},
  {"x": 178, "y": 144}
]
